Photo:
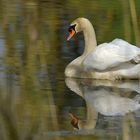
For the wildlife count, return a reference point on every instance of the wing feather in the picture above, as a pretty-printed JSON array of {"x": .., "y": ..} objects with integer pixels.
[{"x": 109, "y": 55}]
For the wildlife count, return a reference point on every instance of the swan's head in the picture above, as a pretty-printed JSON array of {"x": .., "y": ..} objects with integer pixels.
[{"x": 76, "y": 26}]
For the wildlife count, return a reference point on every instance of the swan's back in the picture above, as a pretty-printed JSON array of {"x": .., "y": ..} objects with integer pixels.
[{"x": 109, "y": 55}]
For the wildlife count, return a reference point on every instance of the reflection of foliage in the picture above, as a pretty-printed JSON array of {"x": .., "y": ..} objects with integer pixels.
[{"x": 31, "y": 31}]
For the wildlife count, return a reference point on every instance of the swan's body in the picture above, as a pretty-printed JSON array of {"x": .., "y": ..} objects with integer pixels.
[
  {"x": 111, "y": 55},
  {"x": 114, "y": 60}
]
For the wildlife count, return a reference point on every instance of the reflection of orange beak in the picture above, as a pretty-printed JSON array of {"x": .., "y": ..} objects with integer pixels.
[
  {"x": 74, "y": 119},
  {"x": 71, "y": 34}
]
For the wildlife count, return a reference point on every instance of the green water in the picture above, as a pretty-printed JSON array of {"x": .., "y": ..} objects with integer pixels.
[{"x": 35, "y": 97}]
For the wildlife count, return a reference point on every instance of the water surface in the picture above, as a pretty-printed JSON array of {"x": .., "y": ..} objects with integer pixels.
[{"x": 35, "y": 97}]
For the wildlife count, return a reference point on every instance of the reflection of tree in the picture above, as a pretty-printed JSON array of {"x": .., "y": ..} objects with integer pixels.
[
  {"x": 129, "y": 127},
  {"x": 134, "y": 21},
  {"x": 24, "y": 111}
]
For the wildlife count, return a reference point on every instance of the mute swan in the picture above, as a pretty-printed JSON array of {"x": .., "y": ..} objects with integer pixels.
[
  {"x": 104, "y": 97},
  {"x": 115, "y": 60}
]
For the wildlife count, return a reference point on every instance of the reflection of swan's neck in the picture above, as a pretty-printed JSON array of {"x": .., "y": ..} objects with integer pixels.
[
  {"x": 89, "y": 36},
  {"x": 91, "y": 117}
]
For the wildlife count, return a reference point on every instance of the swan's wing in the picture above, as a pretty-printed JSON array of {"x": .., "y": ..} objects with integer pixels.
[
  {"x": 129, "y": 49},
  {"x": 124, "y": 44},
  {"x": 109, "y": 55}
]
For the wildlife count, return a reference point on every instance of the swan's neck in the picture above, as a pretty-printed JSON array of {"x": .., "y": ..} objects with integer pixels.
[{"x": 90, "y": 38}]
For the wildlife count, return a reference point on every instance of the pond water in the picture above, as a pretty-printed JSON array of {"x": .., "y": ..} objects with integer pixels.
[{"x": 37, "y": 102}]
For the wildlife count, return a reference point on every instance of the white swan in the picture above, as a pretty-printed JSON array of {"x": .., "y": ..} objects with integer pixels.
[{"x": 115, "y": 60}]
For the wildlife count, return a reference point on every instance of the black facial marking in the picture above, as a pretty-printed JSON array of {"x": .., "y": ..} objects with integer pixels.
[
  {"x": 75, "y": 125},
  {"x": 72, "y": 27}
]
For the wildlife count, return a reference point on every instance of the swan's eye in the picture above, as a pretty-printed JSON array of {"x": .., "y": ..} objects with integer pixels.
[{"x": 72, "y": 27}]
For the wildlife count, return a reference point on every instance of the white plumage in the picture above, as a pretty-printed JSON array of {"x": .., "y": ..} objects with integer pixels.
[
  {"x": 109, "y": 55},
  {"x": 115, "y": 60}
]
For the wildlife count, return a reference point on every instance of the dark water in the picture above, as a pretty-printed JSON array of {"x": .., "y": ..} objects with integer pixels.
[{"x": 35, "y": 97}]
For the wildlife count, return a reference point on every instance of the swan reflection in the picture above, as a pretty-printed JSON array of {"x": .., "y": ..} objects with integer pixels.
[{"x": 104, "y": 97}]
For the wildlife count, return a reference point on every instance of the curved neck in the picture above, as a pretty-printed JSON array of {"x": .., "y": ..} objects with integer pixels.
[{"x": 90, "y": 38}]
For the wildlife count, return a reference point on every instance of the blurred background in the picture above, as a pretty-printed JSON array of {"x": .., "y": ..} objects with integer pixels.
[{"x": 34, "y": 99}]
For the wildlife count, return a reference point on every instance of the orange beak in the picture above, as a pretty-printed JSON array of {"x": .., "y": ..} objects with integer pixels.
[{"x": 71, "y": 34}]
